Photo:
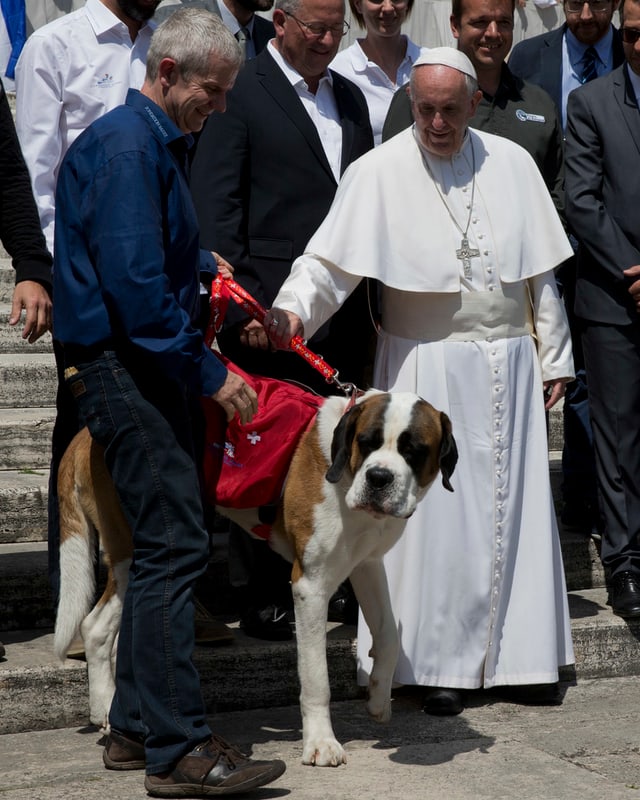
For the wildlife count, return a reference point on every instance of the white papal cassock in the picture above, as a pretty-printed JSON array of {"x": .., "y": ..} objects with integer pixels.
[{"x": 476, "y": 580}]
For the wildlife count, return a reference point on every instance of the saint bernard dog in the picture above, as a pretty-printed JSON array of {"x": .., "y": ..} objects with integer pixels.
[{"x": 356, "y": 476}]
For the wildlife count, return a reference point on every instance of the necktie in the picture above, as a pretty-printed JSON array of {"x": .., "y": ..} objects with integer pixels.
[
  {"x": 243, "y": 37},
  {"x": 589, "y": 62}
]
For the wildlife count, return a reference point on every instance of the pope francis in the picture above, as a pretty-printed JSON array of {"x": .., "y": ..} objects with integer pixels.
[{"x": 460, "y": 231}]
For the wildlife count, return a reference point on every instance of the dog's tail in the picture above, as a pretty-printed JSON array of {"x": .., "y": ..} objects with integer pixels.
[{"x": 78, "y": 546}]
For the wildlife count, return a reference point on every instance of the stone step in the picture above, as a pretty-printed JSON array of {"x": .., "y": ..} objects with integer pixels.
[
  {"x": 11, "y": 340},
  {"x": 25, "y": 439},
  {"x": 25, "y": 599},
  {"x": 7, "y": 277},
  {"x": 38, "y": 693},
  {"x": 27, "y": 380},
  {"x": 23, "y": 506}
]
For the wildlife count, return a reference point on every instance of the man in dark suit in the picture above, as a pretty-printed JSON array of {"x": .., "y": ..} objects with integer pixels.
[
  {"x": 251, "y": 30},
  {"x": 262, "y": 183},
  {"x": 603, "y": 208},
  {"x": 587, "y": 46}
]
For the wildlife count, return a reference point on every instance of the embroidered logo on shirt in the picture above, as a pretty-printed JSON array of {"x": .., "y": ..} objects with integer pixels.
[
  {"x": 106, "y": 81},
  {"x": 524, "y": 116}
]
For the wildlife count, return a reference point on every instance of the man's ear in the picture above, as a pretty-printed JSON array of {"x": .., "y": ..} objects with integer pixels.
[{"x": 167, "y": 72}]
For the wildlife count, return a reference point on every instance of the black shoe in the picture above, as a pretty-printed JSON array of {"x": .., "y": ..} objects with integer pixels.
[
  {"x": 625, "y": 594},
  {"x": 343, "y": 606},
  {"x": 442, "y": 702},
  {"x": 2, "y": 650},
  {"x": 530, "y": 694},
  {"x": 268, "y": 623},
  {"x": 213, "y": 768}
]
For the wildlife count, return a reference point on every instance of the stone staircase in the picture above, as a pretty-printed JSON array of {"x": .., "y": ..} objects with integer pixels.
[{"x": 38, "y": 693}]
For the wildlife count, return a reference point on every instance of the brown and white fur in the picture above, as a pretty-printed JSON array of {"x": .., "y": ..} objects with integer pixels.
[{"x": 354, "y": 480}]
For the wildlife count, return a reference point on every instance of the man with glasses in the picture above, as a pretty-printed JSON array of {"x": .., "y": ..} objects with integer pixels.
[
  {"x": 263, "y": 178},
  {"x": 586, "y": 47},
  {"x": 603, "y": 208}
]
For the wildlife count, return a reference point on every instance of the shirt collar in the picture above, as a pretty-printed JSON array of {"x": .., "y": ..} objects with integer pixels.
[
  {"x": 291, "y": 74},
  {"x": 102, "y": 20},
  {"x": 359, "y": 60},
  {"x": 603, "y": 48},
  {"x": 231, "y": 22},
  {"x": 161, "y": 125}
]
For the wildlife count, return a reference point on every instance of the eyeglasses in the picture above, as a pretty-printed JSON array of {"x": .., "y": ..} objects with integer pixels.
[
  {"x": 630, "y": 35},
  {"x": 595, "y": 6},
  {"x": 318, "y": 30}
]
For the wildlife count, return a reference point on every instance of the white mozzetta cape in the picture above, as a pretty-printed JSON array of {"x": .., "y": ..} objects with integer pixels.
[{"x": 388, "y": 222}]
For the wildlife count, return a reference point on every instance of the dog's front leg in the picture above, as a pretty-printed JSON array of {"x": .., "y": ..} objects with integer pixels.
[
  {"x": 320, "y": 746},
  {"x": 369, "y": 582}
]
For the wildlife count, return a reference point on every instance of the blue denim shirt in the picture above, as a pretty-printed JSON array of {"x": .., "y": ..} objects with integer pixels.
[{"x": 127, "y": 256}]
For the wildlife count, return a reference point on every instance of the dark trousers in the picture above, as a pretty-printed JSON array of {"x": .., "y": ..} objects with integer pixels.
[
  {"x": 612, "y": 360},
  {"x": 143, "y": 422}
]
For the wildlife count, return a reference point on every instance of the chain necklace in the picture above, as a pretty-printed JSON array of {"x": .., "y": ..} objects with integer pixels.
[{"x": 465, "y": 252}]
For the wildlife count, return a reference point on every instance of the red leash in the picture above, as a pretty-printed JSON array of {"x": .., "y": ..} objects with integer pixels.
[{"x": 225, "y": 289}]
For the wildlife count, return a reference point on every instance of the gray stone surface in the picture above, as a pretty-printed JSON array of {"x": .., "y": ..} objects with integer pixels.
[{"x": 586, "y": 749}]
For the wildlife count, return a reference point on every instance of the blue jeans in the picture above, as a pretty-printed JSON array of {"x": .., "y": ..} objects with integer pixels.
[{"x": 142, "y": 421}]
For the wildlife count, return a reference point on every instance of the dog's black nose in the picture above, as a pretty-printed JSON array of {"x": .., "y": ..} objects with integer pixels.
[{"x": 379, "y": 477}]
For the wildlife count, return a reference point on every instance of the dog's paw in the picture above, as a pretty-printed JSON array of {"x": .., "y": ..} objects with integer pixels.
[{"x": 326, "y": 752}]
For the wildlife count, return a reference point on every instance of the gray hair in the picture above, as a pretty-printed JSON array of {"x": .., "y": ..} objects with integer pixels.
[
  {"x": 190, "y": 36},
  {"x": 288, "y": 6}
]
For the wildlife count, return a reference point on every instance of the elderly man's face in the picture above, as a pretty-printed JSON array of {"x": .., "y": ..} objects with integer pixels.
[
  {"x": 484, "y": 31},
  {"x": 189, "y": 102},
  {"x": 308, "y": 53},
  {"x": 589, "y": 22},
  {"x": 442, "y": 108}
]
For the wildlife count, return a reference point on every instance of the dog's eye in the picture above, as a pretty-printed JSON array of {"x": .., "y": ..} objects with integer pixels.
[
  {"x": 414, "y": 453},
  {"x": 369, "y": 441}
]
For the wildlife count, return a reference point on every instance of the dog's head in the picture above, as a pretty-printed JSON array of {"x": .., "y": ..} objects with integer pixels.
[{"x": 392, "y": 445}]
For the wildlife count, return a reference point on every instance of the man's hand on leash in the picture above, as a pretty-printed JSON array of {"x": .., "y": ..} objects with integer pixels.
[
  {"x": 34, "y": 299},
  {"x": 281, "y": 326},
  {"x": 253, "y": 334},
  {"x": 235, "y": 394},
  {"x": 225, "y": 269}
]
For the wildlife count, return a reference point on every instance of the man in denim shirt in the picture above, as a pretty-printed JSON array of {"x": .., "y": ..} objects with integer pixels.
[{"x": 127, "y": 287}]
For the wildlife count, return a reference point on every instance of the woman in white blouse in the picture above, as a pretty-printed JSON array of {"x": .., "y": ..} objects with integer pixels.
[{"x": 381, "y": 62}]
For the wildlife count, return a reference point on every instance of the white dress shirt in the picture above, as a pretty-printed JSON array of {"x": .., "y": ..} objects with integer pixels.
[
  {"x": 71, "y": 72},
  {"x": 376, "y": 86},
  {"x": 321, "y": 107}
]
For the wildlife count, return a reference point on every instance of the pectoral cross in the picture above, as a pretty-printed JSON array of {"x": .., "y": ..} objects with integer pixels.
[{"x": 465, "y": 254}]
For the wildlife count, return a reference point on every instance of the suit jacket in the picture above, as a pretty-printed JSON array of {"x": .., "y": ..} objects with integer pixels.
[
  {"x": 263, "y": 29},
  {"x": 603, "y": 195},
  {"x": 539, "y": 60},
  {"x": 262, "y": 184}
]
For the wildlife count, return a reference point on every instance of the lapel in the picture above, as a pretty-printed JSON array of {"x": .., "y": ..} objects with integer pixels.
[
  {"x": 284, "y": 95},
  {"x": 626, "y": 99},
  {"x": 344, "y": 97},
  {"x": 551, "y": 64},
  {"x": 263, "y": 30}
]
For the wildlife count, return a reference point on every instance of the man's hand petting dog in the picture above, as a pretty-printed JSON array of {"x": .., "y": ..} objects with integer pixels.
[{"x": 235, "y": 394}]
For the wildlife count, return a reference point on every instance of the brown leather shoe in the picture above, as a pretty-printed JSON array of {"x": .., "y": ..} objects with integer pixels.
[
  {"x": 123, "y": 752},
  {"x": 209, "y": 630},
  {"x": 213, "y": 768}
]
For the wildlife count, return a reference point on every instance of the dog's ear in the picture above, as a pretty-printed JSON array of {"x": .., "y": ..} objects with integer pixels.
[
  {"x": 448, "y": 455},
  {"x": 341, "y": 444}
]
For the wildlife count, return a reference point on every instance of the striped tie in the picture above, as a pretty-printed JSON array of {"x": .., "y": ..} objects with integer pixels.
[{"x": 589, "y": 62}]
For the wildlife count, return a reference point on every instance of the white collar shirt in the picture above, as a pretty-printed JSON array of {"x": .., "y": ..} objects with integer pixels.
[
  {"x": 321, "y": 107},
  {"x": 376, "y": 86},
  {"x": 71, "y": 72}
]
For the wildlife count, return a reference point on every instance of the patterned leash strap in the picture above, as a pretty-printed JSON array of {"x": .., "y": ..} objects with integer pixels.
[{"x": 225, "y": 289}]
